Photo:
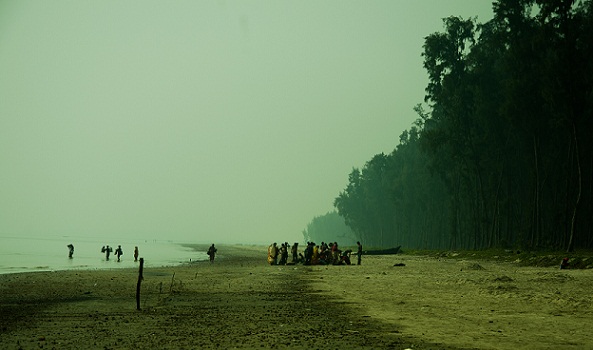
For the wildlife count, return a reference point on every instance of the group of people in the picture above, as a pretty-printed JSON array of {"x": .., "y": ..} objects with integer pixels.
[
  {"x": 313, "y": 254},
  {"x": 118, "y": 252},
  {"x": 107, "y": 250}
]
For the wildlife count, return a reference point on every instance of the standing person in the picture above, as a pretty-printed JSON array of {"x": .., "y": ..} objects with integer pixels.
[
  {"x": 212, "y": 252},
  {"x": 295, "y": 252},
  {"x": 315, "y": 255},
  {"x": 273, "y": 254},
  {"x": 335, "y": 254},
  {"x": 107, "y": 250},
  {"x": 270, "y": 259},
  {"x": 70, "y": 250},
  {"x": 359, "y": 252},
  {"x": 283, "y": 253},
  {"x": 136, "y": 253},
  {"x": 309, "y": 253},
  {"x": 119, "y": 252}
]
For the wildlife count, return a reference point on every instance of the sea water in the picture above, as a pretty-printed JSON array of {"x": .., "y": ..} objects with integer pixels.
[{"x": 28, "y": 254}]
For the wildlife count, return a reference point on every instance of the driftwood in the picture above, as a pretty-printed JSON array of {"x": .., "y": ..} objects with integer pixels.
[{"x": 389, "y": 251}]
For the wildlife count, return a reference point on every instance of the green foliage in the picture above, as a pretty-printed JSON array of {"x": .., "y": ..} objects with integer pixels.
[{"x": 503, "y": 156}]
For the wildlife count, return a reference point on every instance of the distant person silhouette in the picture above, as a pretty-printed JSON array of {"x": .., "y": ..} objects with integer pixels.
[
  {"x": 273, "y": 254},
  {"x": 212, "y": 252},
  {"x": 295, "y": 252},
  {"x": 70, "y": 250},
  {"x": 119, "y": 252},
  {"x": 107, "y": 250},
  {"x": 136, "y": 253}
]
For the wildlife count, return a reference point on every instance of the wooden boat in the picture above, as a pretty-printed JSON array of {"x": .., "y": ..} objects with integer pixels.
[{"x": 389, "y": 251}]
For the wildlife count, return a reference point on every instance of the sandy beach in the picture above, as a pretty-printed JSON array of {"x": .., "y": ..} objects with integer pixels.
[{"x": 242, "y": 302}]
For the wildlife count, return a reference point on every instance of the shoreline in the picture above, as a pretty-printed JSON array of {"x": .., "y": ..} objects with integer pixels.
[
  {"x": 240, "y": 301},
  {"x": 174, "y": 254}
]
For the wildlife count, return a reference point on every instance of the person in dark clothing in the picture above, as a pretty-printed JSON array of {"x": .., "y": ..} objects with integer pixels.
[
  {"x": 295, "y": 252},
  {"x": 70, "y": 250},
  {"x": 309, "y": 253},
  {"x": 283, "y": 254},
  {"x": 107, "y": 250},
  {"x": 359, "y": 252},
  {"x": 119, "y": 252},
  {"x": 345, "y": 257},
  {"x": 212, "y": 252}
]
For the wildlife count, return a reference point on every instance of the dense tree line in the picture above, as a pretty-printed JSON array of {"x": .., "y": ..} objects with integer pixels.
[{"x": 501, "y": 155}]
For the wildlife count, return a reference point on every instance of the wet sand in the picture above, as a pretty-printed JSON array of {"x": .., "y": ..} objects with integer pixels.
[{"x": 242, "y": 302}]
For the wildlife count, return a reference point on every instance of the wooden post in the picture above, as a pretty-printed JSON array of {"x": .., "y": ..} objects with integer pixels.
[
  {"x": 140, "y": 278},
  {"x": 172, "y": 281}
]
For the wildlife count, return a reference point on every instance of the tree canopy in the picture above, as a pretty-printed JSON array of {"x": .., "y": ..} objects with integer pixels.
[{"x": 501, "y": 154}]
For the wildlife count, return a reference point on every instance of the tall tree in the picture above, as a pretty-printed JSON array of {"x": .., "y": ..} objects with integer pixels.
[{"x": 504, "y": 154}]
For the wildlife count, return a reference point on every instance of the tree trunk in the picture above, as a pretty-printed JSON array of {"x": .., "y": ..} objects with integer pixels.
[
  {"x": 493, "y": 239},
  {"x": 535, "y": 228},
  {"x": 573, "y": 220}
]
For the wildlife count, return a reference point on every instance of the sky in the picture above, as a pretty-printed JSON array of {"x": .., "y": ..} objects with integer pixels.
[{"x": 201, "y": 121}]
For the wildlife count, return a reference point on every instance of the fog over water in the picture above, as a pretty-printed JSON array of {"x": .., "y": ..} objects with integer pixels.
[
  {"x": 202, "y": 121},
  {"x": 28, "y": 254}
]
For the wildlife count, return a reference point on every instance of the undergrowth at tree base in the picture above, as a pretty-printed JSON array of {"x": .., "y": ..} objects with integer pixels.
[{"x": 576, "y": 260}]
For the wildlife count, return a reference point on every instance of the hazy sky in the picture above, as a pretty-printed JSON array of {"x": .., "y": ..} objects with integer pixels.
[{"x": 222, "y": 121}]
